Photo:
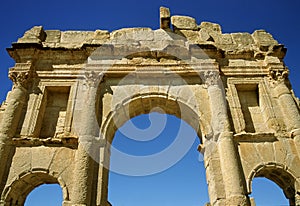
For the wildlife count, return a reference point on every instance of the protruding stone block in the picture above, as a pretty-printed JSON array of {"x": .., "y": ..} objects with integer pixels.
[
  {"x": 53, "y": 36},
  {"x": 164, "y": 18},
  {"x": 184, "y": 22},
  {"x": 211, "y": 27},
  {"x": 242, "y": 39},
  {"x": 35, "y": 35},
  {"x": 263, "y": 39}
]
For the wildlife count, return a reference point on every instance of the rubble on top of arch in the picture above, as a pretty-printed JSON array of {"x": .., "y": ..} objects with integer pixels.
[{"x": 184, "y": 29}]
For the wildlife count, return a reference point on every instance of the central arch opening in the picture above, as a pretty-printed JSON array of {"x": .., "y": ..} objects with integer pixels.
[{"x": 148, "y": 135}]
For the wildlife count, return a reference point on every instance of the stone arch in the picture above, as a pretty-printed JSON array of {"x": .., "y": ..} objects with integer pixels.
[
  {"x": 279, "y": 174},
  {"x": 17, "y": 192},
  {"x": 170, "y": 105}
]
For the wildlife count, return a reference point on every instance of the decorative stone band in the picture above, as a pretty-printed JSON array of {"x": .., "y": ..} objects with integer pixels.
[{"x": 92, "y": 79}]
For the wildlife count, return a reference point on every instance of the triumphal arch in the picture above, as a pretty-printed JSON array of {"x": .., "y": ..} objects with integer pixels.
[{"x": 73, "y": 89}]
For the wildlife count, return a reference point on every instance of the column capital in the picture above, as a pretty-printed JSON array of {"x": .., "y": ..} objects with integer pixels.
[
  {"x": 211, "y": 77},
  {"x": 92, "y": 79},
  {"x": 21, "y": 74},
  {"x": 278, "y": 74}
]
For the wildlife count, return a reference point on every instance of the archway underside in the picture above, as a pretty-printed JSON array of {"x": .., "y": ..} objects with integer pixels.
[
  {"x": 17, "y": 193},
  {"x": 162, "y": 103}
]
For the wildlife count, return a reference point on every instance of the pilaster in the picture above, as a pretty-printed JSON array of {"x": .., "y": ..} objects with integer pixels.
[
  {"x": 228, "y": 156},
  {"x": 278, "y": 74},
  {"x": 20, "y": 75},
  {"x": 84, "y": 166}
]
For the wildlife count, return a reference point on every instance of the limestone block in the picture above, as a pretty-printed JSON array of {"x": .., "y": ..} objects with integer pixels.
[
  {"x": 136, "y": 34},
  {"x": 164, "y": 12},
  {"x": 176, "y": 52},
  {"x": 21, "y": 163},
  {"x": 162, "y": 35},
  {"x": 53, "y": 36},
  {"x": 271, "y": 59},
  {"x": 34, "y": 35},
  {"x": 237, "y": 63},
  {"x": 211, "y": 27},
  {"x": 100, "y": 37},
  {"x": 192, "y": 36},
  {"x": 164, "y": 18},
  {"x": 204, "y": 35},
  {"x": 184, "y": 22},
  {"x": 242, "y": 39},
  {"x": 249, "y": 155},
  {"x": 223, "y": 39},
  {"x": 71, "y": 39},
  {"x": 263, "y": 39},
  {"x": 63, "y": 158},
  {"x": 42, "y": 157},
  {"x": 215, "y": 180},
  {"x": 266, "y": 152}
]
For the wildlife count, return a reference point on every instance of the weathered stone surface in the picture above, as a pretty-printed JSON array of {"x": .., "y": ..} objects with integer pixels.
[
  {"x": 263, "y": 39},
  {"x": 165, "y": 18},
  {"x": 34, "y": 35},
  {"x": 164, "y": 12},
  {"x": 101, "y": 37},
  {"x": 136, "y": 34},
  {"x": 70, "y": 95},
  {"x": 242, "y": 39},
  {"x": 211, "y": 27},
  {"x": 53, "y": 36},
  {"x": 184, "y": 22},
  {"x": 75, "y": 39}
]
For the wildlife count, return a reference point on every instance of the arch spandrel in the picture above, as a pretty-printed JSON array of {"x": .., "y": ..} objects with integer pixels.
[{"x": 35, "y": 166}]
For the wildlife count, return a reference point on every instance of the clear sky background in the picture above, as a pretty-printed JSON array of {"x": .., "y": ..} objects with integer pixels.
[{"x": 280, "y": 18}]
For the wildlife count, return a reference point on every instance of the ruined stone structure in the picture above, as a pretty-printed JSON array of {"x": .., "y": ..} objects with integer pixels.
[{"x": 73, "y": 89}]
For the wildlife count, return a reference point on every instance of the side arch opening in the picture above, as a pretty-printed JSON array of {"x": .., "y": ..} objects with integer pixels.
[
  {"x": 278, "y": 174},
  {"x": 18, "y": 191}
]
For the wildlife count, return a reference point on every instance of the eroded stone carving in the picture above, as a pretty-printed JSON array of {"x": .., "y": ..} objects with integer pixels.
[
  {"x": 19, "y": 78},
  {"x": 211, "y": 78},
  {"x": 92, "y": 79},
  {"x": 279, "y": 75}
]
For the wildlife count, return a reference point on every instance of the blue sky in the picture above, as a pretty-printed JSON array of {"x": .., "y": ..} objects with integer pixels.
[{"x": 280, "y": 18}]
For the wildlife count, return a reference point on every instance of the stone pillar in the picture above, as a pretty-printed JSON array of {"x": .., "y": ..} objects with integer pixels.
[
  {"x": 165, "y": 19},
  {"x": 103, "y": 172},
  {"x": 234, "y": 183},
  {"x": 84, "y": 165},
  {"x": 11, "y": 117},
  {"x": 277, "y": 77}
]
